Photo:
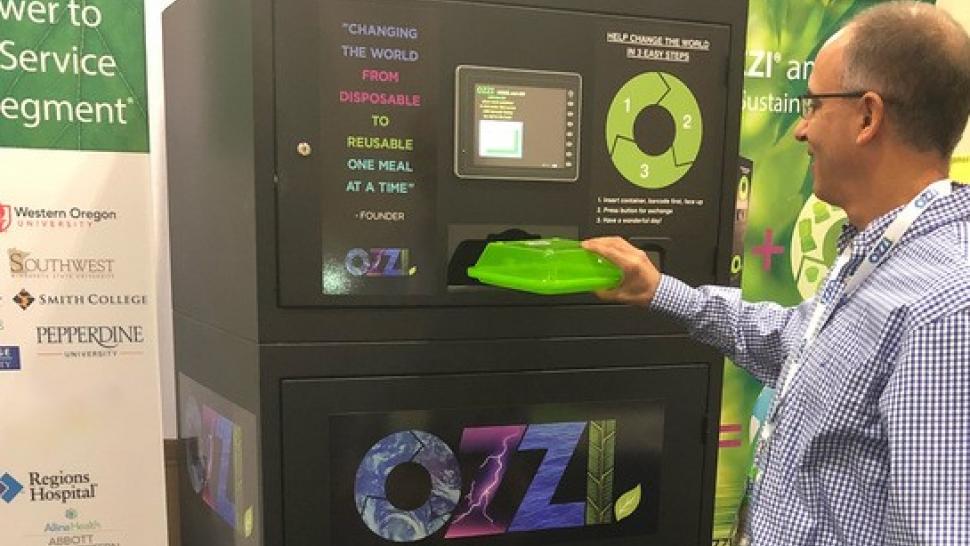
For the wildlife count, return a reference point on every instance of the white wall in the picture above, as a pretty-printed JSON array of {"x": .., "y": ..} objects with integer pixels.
[{"x": 156, "y": 116}]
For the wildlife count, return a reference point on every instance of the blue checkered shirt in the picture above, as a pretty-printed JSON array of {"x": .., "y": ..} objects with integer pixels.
[{"x": 871, "y": 446}]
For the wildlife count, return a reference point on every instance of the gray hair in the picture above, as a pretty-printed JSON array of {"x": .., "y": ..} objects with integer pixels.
[{"x": 917, "y": 57}]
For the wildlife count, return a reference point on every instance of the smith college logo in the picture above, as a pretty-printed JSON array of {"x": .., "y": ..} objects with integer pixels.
[{"x": 23, "y": 299}]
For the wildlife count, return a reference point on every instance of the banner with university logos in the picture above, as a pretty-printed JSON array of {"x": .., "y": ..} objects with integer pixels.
[{"x": 80, "y": 432}]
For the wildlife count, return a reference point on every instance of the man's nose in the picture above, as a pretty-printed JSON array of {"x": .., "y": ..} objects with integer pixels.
[{"x": 800, "y": 133}]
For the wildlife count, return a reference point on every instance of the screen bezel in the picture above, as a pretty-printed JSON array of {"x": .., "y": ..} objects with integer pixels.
[{"x": 466, "y": 78}]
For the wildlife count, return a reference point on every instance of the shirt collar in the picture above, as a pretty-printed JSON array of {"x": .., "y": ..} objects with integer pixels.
[{"x": 862, "y": 241}]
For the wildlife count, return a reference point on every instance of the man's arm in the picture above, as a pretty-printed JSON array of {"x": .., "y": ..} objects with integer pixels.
[
  {"x": 755, "y": 336},
  {"x": 926, "y": 411}
]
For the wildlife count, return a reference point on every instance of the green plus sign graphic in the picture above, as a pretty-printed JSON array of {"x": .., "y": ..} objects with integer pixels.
[{"x": 670, "y": 93}]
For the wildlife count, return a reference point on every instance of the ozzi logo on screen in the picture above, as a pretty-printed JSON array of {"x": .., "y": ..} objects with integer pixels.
[{"x": 380, "y": 262}]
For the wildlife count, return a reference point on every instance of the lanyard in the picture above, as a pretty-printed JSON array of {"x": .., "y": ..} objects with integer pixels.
[
  {"x": 825, "y": 305},
  {"x": 874, "y": 259}
]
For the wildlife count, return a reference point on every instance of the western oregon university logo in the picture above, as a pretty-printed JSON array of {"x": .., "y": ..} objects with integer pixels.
[
  {"x": 9, "y": 488},
  {"x": 6, "y": 217}
]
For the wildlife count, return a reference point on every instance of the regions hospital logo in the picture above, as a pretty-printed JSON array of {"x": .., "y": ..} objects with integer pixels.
[
  {"x": 9, "y": 488},
  {"x": 60, "y": 487}
]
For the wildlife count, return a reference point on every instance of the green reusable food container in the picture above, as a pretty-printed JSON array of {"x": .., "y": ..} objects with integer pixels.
[{"x": 544, "y": 266}]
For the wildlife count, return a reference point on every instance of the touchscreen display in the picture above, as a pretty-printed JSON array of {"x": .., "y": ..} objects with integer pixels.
[
  {"x": 522, "y": 126},
  {"x": 517, "y": 124}
]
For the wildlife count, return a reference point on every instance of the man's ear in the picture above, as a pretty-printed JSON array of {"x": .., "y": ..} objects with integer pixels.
[{"x": 873, "y": 117}]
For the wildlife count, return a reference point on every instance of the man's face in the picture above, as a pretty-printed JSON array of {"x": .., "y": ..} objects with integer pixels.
[{"x": 828, "y": 131}]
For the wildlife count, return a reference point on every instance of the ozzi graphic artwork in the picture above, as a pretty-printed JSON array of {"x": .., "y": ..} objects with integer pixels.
[
  {"x": 218, "y": 456},
  {"x": 415, "y": 456}
]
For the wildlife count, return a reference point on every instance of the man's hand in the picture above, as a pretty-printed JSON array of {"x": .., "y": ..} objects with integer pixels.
[{"x": 640, "y": 277}]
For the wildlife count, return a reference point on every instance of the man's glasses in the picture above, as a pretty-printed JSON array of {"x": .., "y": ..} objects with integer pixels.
[{"x": 809, "y": 102}]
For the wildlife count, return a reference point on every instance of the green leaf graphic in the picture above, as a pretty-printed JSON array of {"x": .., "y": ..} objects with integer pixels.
[
  {"x": 627, "y": 503},
  {"x": 599, "y": 472}
]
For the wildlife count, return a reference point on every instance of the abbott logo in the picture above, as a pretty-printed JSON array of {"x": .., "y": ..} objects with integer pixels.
[{"x": 9, "y": 488}]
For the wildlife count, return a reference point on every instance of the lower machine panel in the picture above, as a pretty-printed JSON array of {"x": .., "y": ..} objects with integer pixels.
[{"x": 581, "y": 457}]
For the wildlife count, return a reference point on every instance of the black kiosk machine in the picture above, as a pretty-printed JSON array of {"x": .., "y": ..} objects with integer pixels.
[{"x": 335, "y": 166}]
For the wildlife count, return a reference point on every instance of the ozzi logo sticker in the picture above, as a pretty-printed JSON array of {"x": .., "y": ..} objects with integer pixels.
[{"x": 379, "y": 262}]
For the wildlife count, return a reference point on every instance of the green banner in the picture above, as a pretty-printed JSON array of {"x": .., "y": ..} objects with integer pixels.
[{"x": 72, "y": 75}]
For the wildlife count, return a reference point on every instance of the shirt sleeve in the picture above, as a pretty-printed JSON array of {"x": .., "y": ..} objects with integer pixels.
[
  {"x": 926, "y": 412},
  {"x": 756, "y": 336}
]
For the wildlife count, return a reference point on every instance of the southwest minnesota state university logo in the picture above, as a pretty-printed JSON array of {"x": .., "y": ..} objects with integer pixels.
[{"x": 25, "y": 265}]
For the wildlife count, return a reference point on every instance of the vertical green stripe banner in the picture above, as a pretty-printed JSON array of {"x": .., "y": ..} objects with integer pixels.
[
  {"x": 960, "y": 165},
  {"x": 791, "y": 235},
  {"x": 80, "y": 434}
]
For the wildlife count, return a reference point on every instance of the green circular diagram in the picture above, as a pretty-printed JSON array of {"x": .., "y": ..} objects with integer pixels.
[
  {"x": 666, "y": 91},
  {"x": 813, "y": 244}
]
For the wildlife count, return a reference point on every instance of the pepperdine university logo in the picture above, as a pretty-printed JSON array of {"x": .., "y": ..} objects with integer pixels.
[{"x": 75, "y": 341}]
